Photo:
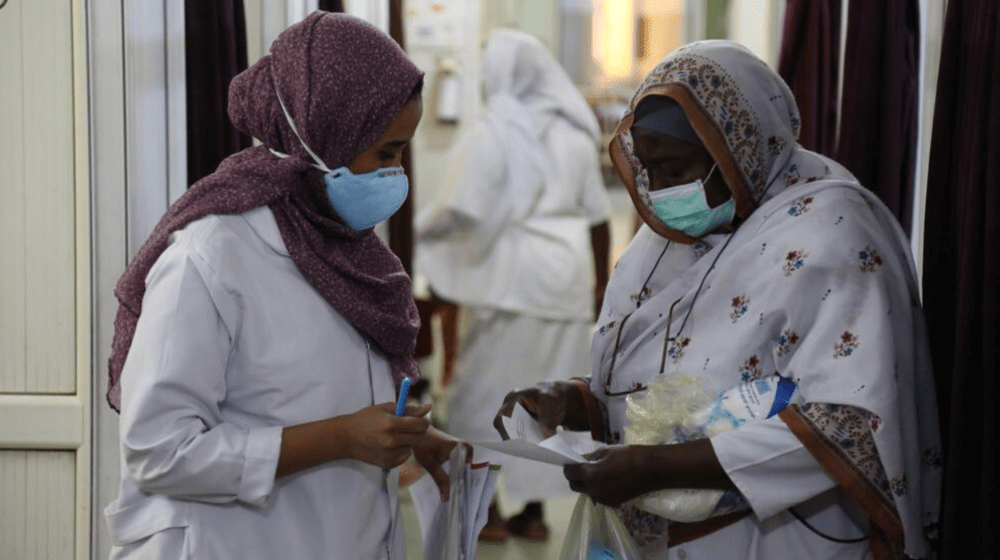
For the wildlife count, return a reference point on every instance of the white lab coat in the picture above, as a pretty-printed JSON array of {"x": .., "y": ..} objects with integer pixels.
[{"x": 232, "y": 345}]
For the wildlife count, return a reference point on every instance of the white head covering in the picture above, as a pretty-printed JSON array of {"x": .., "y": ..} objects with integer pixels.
[
  {"x": 744, "y": 114},
  {"x": 816, "y": 284},
  {"x": 523, "y": 83},
  {"x": 486, "y": 240}
]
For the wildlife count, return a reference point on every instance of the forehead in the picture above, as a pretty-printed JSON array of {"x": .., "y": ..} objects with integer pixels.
[
  {"x": 403, "y": 126},
  {"x": 649, "y": 145}
]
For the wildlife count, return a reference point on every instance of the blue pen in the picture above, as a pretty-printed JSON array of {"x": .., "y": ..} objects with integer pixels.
[{"x": 404, "y": 391}]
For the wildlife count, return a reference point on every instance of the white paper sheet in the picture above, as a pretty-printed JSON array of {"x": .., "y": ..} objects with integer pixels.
[
  {"x": 527, "y": 441},
  {"x": 521, "y": 425}
]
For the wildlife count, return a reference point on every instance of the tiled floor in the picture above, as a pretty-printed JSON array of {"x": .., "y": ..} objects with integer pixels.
[{"x": 557, "y": 514}]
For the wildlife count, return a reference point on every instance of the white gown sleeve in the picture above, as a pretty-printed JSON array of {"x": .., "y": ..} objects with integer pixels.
[
  {"x": 770, "y": 466},
  {"x": 174, "y": 440}
]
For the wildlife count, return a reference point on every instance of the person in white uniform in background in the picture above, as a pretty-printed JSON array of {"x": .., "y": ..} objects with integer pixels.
[
  {"x": 757, "y": 258},
  {"x": 517, "y": 240},
  {"x": 263, "y": 326}
]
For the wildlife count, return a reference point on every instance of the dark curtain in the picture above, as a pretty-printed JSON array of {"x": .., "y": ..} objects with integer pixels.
[
  {"x": 401, "y": 223},
  {"x": 810, "y": 63},
  {"x": 331, "y": 5},
  {"x": 878, "y": 119},
  {"x": 215, "y": 51},
  {"x": 962, "y": 270}
]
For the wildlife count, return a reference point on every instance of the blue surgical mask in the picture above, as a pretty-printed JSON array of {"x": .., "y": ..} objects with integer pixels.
[
  {"x": 362, "y": 201},
  {"x": 366, "y": 200},
  {"x": 685, "y": 208}
]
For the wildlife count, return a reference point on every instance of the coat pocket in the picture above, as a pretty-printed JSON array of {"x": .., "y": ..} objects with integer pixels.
[{"x": 154, "y": 526}]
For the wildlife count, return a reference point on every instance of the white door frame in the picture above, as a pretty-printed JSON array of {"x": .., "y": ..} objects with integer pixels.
[{"x": 138, "y": 165}]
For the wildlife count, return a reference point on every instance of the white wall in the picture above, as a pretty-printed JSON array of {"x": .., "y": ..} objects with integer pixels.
[
  {"x": 438, "y": 41},
  {"x": 109, "y": 236},
  {"x": 139, "y": 167},
  {"x": 755, "y": 24}
]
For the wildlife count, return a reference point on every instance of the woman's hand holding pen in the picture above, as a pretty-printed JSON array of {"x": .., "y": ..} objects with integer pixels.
[
  {"x": 373, "y": 434},
  {"x": 378, "y": 437}
]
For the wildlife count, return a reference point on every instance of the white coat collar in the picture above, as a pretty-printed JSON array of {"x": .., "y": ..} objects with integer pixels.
[{"x": 262, "y": 221}]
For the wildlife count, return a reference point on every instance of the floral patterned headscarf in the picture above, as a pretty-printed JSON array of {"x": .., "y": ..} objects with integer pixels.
[{"x": 744, "y": 114}]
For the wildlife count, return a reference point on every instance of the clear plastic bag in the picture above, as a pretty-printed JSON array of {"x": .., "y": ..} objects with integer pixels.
[
  {"x": 596, "y": 533},
  {"x": 679, "y": 408}
]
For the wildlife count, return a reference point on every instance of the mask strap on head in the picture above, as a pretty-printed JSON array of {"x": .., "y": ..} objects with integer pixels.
[
  {"x": 319, "y": 163},
  {"x": 710, "y": 171}
]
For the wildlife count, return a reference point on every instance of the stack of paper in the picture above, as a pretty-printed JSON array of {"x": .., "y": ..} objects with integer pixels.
[{"x": 450, "y": 529}]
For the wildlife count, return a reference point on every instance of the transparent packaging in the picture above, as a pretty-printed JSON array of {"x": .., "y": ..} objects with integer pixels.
[
  {"x": 596, "y": 532},
  {"x": 677, "y": 408}
]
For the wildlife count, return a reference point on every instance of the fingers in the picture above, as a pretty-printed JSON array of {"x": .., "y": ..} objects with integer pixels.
[
  {"x": 390, "y": 458},
  {"x": 498, "y": 425},
  {"x": 598, "y": 454},
  {"x": 506, "y": 409},
  {"x": 408, "y": 425},
  {"x": 386, "y": 457},
  {"x": 441, "y": 479},
  {"x": 418, "y": 411},
  {"x": 575, "y": 474},
  {"x": 387, "y": 407},
  {"x": 547, "y": 431}
]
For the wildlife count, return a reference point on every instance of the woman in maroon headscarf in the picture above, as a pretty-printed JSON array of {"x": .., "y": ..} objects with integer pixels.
[{"x": 263, "y": 327}]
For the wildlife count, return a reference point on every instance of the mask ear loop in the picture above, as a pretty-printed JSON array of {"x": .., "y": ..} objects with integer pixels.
[
  {"x": 666, "y": 337},
  {"x": 710, "y": 171},
  {"x": 319, "y": 163}
]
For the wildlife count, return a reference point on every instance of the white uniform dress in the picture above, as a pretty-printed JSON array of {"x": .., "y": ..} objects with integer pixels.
[{"x": 232, "y": 345}]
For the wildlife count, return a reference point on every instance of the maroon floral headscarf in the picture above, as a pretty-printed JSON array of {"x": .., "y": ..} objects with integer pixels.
[{"x": 343, "y": 82}]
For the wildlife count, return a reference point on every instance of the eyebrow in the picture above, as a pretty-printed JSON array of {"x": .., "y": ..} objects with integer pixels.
[{"x": 395, "y": 144}]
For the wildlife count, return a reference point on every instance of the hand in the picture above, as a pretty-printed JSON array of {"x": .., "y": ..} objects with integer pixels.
[
  {"x": 433, "y": 449},
  {"x": 610, "y": 476},
  {"x": 378, "y": 437},
  {"x": 614, "y": 475},
  {"x": 551, "y": 403}
]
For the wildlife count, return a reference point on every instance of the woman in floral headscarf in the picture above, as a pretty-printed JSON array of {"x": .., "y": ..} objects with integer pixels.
[
  {"x": 263, "y": 326},
  {"x": 758, "y": 258}
]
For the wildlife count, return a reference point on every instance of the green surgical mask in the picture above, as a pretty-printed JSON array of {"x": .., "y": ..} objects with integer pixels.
[{"x": 685, "y": 208}]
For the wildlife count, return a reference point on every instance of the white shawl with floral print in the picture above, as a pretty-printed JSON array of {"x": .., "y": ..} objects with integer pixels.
[{"x": 816, "y": 284}]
